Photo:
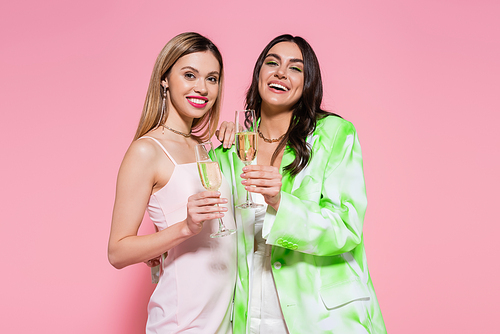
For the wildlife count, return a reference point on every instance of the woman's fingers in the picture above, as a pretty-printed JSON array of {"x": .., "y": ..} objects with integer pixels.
[
  {"x": 265, "y": 180},
  {"x": 256, "y": 172},
  {"x": 208, "y": 209},
  {"x": 230, "y": 139},
  {"x": 226, "y": 133},
  {"x": 270, "y": 187},
  {"x": 260, "y": 168},
  {"x": 270, "y": 183},
  {"x": 153, "y": 262},
  {"x": 205, "y": 195},
  {"x": 261, "y": 176},
  {"x": 206, "y": 199},
  {"x": 204, "y": 206}
]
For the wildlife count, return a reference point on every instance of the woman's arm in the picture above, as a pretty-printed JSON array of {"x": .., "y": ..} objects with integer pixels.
[{"x": 137, "y": 176}]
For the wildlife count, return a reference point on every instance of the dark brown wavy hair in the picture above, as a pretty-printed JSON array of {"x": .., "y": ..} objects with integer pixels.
[{"x": 305, "y": 112}]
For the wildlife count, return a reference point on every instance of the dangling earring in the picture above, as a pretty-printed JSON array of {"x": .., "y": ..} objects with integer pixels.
[
  {"x": 209, "y": 118},
  {"x": 163, "y": 109}
]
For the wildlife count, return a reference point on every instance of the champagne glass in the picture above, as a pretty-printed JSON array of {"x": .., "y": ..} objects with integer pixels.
[
  {"x": 246, "y": 145},
  {"x": 211, "y": 178}
]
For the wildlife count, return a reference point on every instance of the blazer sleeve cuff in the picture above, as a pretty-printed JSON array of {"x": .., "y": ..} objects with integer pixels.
[
  {"x": 286, "y": 206},
  {"x": 269, "y": 219}
]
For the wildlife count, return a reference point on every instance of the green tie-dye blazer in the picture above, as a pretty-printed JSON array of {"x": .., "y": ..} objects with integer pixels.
[{"x": 318, "y": 256}]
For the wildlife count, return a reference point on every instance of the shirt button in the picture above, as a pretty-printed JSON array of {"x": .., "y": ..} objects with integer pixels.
[{"x": 277, "y": 265}]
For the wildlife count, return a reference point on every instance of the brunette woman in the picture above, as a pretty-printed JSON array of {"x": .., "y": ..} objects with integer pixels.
[
  {"x": 159, "y": 175},
  {"x": 302, "y": 265}
]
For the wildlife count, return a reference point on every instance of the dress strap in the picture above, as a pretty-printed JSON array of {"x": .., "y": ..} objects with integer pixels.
[{"x": 162, "y": 147}]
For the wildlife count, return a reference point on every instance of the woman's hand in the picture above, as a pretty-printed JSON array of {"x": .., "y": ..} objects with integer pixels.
[
  {"x": 265, "y": 180},
  {"x": 201, "y": 207},
  {"x": 225, "y": 134},
  {"x": 153, "y": 262}
]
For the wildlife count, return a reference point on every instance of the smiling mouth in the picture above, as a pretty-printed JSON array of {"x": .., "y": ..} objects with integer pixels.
[
  {"x": 278, "y": 87},
  {"x": 197, "y": 100}
]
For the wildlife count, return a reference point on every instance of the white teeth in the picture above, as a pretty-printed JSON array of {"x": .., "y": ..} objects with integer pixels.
[
  {"x": 197, "y": 101},
  {"x": 275, "y": 85}
]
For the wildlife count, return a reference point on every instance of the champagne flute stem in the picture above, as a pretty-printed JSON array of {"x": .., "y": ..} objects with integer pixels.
[
  {"x": 223, "y": 230},
  {"x": 249, "y": 198},
  {"x": 221, "y": 223}
]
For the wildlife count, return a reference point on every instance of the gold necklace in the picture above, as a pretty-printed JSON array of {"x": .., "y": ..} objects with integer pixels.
[
  {"x": 269, "y": 140},
  {"x": 178, "y": 132}
]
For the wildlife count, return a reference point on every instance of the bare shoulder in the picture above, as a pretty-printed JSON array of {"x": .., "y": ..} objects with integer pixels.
[
  {"x": 146, "y": 160},
  {"x": 142, "y": 157},
  {"x": 143, "y": 150}
]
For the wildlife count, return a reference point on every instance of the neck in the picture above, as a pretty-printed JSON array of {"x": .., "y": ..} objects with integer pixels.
[
  {"x": 178, "y": 123},
  {"x": 274, "y": 125},
  {"x": 176, "y": 120}
]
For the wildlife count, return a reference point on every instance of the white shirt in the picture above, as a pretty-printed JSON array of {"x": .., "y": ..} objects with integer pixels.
[{"x": 265, "y": 311}]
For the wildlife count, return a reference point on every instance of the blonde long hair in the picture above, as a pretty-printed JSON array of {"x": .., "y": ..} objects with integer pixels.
[{"x": 186, "y": 43}]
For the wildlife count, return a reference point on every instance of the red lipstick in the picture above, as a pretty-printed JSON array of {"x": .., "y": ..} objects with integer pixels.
[{"x": 197, "y": 101}]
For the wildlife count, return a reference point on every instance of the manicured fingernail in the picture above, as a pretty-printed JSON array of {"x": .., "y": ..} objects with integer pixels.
[
  {"x": 245, "y": 168},
  {"x": 243, "y": 175},
  {"x": 244, "y": 182}
]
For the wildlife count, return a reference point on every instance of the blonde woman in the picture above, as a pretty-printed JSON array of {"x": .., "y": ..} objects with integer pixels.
[{"x": 159, "y": 175}]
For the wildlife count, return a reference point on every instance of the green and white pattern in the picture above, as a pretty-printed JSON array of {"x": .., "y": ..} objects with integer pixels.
[{"x": 318, "y": 257}]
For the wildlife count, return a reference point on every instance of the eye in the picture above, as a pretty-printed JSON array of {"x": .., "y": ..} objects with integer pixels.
[
  {"x": 189, "y": 75},
  {"x": 271, "y": 63},
  {"x": 213, "y": 79},
  {"x": 297, "y": 69}
]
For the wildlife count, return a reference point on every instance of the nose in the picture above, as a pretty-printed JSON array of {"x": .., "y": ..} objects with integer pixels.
[
  {"x": 201, "y": 87},
  {"x": 280, "y": 72}
]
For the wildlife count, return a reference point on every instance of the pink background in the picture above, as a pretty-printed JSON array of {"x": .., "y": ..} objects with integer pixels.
[{"x": 419, "y": 79}]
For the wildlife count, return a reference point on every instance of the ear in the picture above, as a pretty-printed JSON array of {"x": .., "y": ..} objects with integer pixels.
[{"x": 164, "y": 84}]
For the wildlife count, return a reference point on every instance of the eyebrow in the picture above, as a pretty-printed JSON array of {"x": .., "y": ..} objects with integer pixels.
[
  {"x": 293, "y": 60},
  {"x": 195, "y": 70},
  {"x": 213, "y": 73}
]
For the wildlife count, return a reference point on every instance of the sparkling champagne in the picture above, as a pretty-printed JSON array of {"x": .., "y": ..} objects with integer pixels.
[
  {"x": 210, "y": 175},
  {"x": 246, "y": 146}
]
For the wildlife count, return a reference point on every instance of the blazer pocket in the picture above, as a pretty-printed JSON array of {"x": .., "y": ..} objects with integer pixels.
[{"x": 339, "y": 294}]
